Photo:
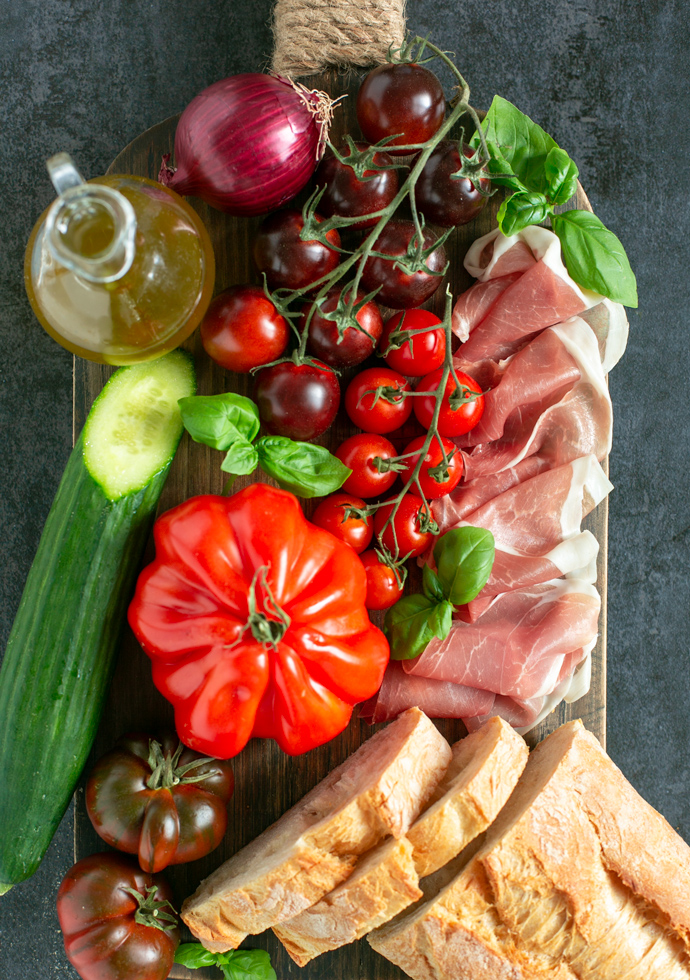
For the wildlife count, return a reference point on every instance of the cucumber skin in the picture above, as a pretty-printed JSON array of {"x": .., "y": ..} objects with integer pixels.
[{"x": 60, "y": 655}]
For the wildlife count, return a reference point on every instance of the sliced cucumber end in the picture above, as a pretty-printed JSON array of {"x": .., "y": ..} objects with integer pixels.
[{"x": 135, "y": 424}]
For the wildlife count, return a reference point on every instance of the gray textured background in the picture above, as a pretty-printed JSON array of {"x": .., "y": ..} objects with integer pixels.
[{"x": 607, "y": 78}]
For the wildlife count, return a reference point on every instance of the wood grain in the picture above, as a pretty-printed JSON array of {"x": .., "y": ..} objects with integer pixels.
[{"x": 267, "y": 781}]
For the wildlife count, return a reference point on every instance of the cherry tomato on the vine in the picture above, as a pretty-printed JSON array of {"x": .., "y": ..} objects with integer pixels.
[
  {"x": 441, "y": 483},
  {"x": 423, "y": 352},
  {"x": 401, "y": 288},
  {"x": 347, "y": 195},
  {"x": 383, "y": 414},
  {"x": 444, "y": 199},
  {"x": 383, "y": 589},
  {"x": 353, "y": 346},
  {"x": 403, "y": 100},
  {"x": 297, "y": 400},
  {"x": 405, "y": 536},
  {"x": 289, "y": 262},
  {"x": 355, "y": 531},
  {"x": 242, "y": 329},
  {"x": 456, "y": 416},
  {"x": 358, "y": 454}
]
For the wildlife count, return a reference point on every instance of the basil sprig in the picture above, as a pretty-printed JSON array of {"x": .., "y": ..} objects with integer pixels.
[
  {"x": 541, "y": 175},
  {"x": 464, "y": 558},
  {"x": 238, "y": 964},
  {"x": 231, "y": 422}
]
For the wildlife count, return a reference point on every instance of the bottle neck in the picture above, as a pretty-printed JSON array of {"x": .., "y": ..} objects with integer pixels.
[{"x": 90, "y": 228}]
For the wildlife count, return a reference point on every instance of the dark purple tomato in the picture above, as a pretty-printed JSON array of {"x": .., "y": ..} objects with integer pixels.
[
  {"x": 445, "y": 200},
  {"x": 297, "y": 400},
  {"x": 349, "y": 347},
  {"x": 405, "y": 99},
  {"x": 400, "y": 289},
  {"x": 348, "y": 196},
  {"x": 290, "y": 263},
  {"x": 242, "y": 329}
]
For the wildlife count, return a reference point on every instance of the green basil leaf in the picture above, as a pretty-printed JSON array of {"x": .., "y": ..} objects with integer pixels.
[
  {"x": 432, "y": 587},
  {"x": 412, "y": 622},
  {"x": 499, "y": 165},
  {"x": 242, "y": 458},
  {"x": 246, "y": 964},
  {"x": 520, "y": 141},
  {"x": 218, "y": 420},
  {"x": 194, "y": 955},
  {"x": 464, "y": 558},
  {"x": 520, "y": 210},
  {"x": 561, "y": 175},
  {"x": 304, "y": 468},
  {"x": 594, "y": 257}
]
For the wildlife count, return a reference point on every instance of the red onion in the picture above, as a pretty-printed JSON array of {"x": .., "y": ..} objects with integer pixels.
[{"x": 248, "y": 143}]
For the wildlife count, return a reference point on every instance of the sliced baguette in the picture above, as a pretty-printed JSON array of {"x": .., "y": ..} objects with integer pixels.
[
  {"x": 577, "y": 878},
  {"x": 378, "y": 791}
]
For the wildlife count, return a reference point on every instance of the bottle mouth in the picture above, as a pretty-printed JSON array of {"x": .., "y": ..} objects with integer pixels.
[{"x": 91, "y": 230}]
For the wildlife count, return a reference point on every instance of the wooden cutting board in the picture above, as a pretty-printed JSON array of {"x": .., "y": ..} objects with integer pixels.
[{"x": 267, "y": 781}]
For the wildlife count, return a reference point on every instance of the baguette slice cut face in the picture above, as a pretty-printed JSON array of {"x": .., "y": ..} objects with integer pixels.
[
  {"x": 377, "y": 792},
  {"x": 384, "y": 883},
  {"x": 578, "y": 877},
  {"x": 482, "y": 774}
]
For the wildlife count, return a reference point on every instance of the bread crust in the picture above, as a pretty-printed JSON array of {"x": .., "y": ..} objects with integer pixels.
[{"x": 377, "y": 792}]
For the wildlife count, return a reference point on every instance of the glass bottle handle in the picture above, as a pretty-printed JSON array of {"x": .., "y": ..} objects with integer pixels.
[{"x": 63, "y": 173}]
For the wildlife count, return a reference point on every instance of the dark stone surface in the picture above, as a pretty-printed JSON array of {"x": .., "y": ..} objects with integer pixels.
[{"x": 607, "y": 78}]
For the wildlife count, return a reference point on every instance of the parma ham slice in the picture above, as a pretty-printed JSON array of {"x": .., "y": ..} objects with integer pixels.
[
  {"x": 437, "y": 699},
  {"x": 520, "y": 645}
]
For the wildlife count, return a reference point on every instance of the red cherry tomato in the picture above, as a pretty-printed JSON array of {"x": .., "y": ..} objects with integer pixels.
[
  {"x": 431, "y": 487},
  {"x": 423, "y": 352},
  {"x": 347, "y": 195},
  {"x": 297, "y": 400},
  {"x": 382, "y": 585},
  {"x": 242, "y": 329},
  {"x": 402, "y": 289},
  {"x": 454, "y": 419},
  {"x": 443, "y": 199},
  {"x": 352, "y": 346},
  {"x": 289, "y": 262},
  {"x": 389, "y": 411},
  {"x": 355, "y": 531},
  {"x": 409, "y": 519},
  {"x": 358, "y": 454},
  {"x": 405, "y": 99},
  {"x": 105, "y": 926}
]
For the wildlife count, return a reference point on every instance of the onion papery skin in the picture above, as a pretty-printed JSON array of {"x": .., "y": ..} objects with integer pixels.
[{"x": 246, "y": 144}]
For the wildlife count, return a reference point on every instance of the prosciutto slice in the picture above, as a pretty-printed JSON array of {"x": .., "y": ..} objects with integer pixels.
[
  {"x": 437, "y": 699},
  {"x": 520, "y": 645},
  {"x": 523, "y": 287},
  {"x": 551, "y": 401}
]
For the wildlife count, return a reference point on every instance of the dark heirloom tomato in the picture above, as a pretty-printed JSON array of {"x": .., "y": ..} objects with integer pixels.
[
  {"x": 242, "y": 329},
  {"x": 405, "y": 99},
  {"x": 111, "y": 933},
  {"x": 431, "y": 487},
  {"x": 353, "y": 346},
  {"x": 454, "y": 419},
  {"x": 346, "y": 195},
  {"x": 289, "y": 262},
  {"x": 420, "y": 354},
  {"x": 297, "y": 400},
  {"x": 408, "y": 540},
  {"x": 443, "y": 199},
  {"x": 401, "y": 289},
  {"x": 358, "y": 453},
  {"x": 383, "y": 414},
  {"x": 383, "y": 589},
  {"x": 160, "y": 800},
  {"x": 330, "y": 515}
]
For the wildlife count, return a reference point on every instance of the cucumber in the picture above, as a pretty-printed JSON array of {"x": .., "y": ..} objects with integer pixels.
[{"x": 61, "y": 649}]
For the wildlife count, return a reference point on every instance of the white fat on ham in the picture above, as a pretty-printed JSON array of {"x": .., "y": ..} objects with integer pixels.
[
  {"x": 520, "y": 645},
  {"x": 609, "y": 322}
]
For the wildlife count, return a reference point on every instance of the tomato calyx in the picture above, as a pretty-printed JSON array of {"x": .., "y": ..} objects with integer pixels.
[
  {"x": 393, "y": 464},
  {"x": 346, "y": 310},
  {"x": 414, "y": 259},
  {"x": 396, "y": 565},
  {"x": 165, "y": 772},
  {"x": 266, "y": 630},
  {"x": 153, "y": 912},
  {"x": 461, "y": 395},
  {"x": 473, "y": 168},
  {"x": 387, "y": 393},
  {"x": 362, "y": 161},
  {"x": 410, "y": 52}
]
